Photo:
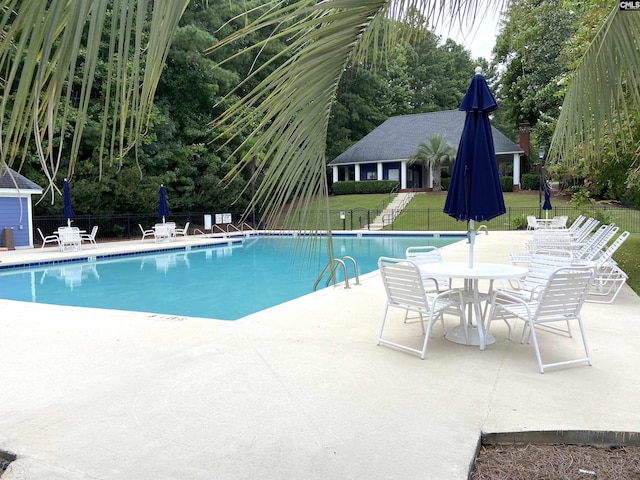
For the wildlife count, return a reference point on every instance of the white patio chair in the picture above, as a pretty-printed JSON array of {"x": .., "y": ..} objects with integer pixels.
[
  {"x": 163, "y": 232},
  {"x": 541, "y": 265},
  {"x": 405, "y": 290},
  {"x": 146, "y": 233},
  {"x": 421, "y": 255},
  {"x": 69, "y": 238},
  {"x": 532, "y": 223},
  {"x": 90, "y": 237},
  {"x": 182, "y": 231},
  {"x": 48, "y": 239},
  {"x": 560, "y": 301}
]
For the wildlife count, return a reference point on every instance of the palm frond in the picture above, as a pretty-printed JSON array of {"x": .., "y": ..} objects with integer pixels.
[
  {"x": 284, "y": 119},
  {"x": 45, "y": 43},
  {"x": 604, "y": 90}
]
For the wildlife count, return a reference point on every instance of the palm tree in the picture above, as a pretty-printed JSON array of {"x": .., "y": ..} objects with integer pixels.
[{"x": 433, "y": 155}]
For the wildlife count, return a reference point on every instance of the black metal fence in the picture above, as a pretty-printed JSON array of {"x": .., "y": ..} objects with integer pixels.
[
  {"x": 125, "y": 226},
  {"x": 436, "y": 220}
]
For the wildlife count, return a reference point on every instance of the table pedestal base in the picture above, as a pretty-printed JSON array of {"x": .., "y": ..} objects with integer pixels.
[{"x": 456, "y": 335}]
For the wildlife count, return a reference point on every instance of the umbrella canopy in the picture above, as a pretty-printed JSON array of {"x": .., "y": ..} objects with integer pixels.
[
  {"x": 66, "y": 200},
  {"x": 547, "y": 199},
  {"x": 475, "y": 192},
  {"x": 163, "y": 203}
]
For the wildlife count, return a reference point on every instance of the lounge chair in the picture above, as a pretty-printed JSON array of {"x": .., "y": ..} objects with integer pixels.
[
  {"x": 146, "y": 233},
  {"x": 90, "y": 237},
  {"x": 48, "y": 239},
  {"x": 609, "y": 277},
  {"x": 558, "y": 222}
]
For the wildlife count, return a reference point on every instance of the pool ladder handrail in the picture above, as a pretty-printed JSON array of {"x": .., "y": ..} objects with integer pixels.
[{"x": 332, "y": 265}]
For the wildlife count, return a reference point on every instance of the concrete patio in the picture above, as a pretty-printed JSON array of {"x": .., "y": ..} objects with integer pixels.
[{"x": 300, "y": 390}]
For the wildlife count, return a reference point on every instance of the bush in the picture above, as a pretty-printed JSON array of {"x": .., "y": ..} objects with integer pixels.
[
  {"x": 363, "y": 187},
  {"x": 530, "y": 181},
  {"x": 519, "y": 222},
  {"x": 445, "y": 182},
  {"x": 507, "y": 184}
]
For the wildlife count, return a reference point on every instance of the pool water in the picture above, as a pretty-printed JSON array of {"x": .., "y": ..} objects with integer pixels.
[{"x": 223, "y": 282}]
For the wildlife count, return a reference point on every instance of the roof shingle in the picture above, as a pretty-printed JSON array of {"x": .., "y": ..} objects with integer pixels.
[
  {"x": 398, "y": 138},
  {"x": 9, "y": 176}
]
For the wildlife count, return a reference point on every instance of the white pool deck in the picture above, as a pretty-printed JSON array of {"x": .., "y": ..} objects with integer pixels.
[{"x": 299, "y": 391}]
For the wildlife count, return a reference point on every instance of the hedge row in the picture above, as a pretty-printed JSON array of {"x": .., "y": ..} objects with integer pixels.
[
  {"x": 369, "y": 186},
  {"x": 530, "y": 181},
  {"x": 386, "y": 186}
]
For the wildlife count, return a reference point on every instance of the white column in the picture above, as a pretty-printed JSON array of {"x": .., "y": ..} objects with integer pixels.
[
  {"x": 431, "y": 176},
  {"x": 336, "y": 176},
  {"x": 403, "y": 174},
  {"x": 380, "y": 173},
  {"x": 516, "y": 169},
  {"x": 357, "y": 168}
]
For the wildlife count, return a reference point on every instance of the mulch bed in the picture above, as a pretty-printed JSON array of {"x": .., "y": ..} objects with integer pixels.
[
  {"x": 545, "y": 462},
  {"x": 556, "y": 462}
]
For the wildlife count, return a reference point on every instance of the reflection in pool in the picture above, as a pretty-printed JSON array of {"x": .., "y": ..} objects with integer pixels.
[{"x": 224, "y": 282}]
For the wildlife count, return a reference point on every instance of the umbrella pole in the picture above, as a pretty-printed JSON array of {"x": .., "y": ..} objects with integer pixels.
[
  {"x": 472, "y": 241},
  {"x": 68, "y": 222}
]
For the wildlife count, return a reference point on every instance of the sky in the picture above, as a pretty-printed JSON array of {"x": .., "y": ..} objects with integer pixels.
[{"x": 480, "y": 39}]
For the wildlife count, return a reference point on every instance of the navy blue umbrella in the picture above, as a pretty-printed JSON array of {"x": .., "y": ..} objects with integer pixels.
[
  {"x": 163, "y": 203},
  {"x": 475, "y": 193},
  {"x": 66, "y": 200},
  {"x": 547, "y": 199}
]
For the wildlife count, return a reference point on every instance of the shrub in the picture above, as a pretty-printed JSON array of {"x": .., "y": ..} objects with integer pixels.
[
  {"x": 519, "y": 222},
  {"x": 530, "y": 181},
  {"x": 364, "y": 187},
  {"x": 507, "y": 184},
  {"x": 445, "y": 182}
]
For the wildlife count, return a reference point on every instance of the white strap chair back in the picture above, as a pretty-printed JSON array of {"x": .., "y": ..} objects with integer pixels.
[
  {"x": 405, "y": 290},
  {"x": 564, "y": 294}
]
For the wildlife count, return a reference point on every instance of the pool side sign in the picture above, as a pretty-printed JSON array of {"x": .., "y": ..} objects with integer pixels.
[{"x": 630, "y": 5}]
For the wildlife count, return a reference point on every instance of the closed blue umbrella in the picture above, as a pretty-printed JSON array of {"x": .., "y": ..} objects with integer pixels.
[
  {"x": 547, "y": 199},
  {"x": 163, "y": 203},
  {"x": 475, "y": 193},
  {"x": 66, "y": 200}
]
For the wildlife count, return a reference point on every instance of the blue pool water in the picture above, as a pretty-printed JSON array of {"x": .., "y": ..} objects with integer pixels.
[{"x": 223, "y": 282}]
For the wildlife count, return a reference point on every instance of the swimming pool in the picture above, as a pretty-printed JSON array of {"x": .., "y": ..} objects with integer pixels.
[{"x": 223, "y": 282}]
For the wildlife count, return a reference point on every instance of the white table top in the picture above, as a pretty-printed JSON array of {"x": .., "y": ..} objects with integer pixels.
[{"x": 492, "y": 271}]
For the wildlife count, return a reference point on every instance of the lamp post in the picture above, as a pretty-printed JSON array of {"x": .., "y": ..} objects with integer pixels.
[{"x": 541, "y": 153}]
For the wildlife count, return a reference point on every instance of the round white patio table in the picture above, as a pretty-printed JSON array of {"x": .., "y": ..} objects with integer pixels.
[{"x": 472, "y": 334}]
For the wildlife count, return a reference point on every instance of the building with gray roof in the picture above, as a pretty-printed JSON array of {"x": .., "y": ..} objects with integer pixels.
[
  {"x": 384, "y": 152},
  {"x": 15, "y": 208}
]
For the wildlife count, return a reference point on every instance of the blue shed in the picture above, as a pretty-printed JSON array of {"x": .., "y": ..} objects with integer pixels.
[{"x": 15, "y": 207}]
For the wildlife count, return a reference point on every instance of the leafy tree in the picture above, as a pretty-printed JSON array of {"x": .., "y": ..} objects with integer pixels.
[{"x": 434, "y": 154}]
